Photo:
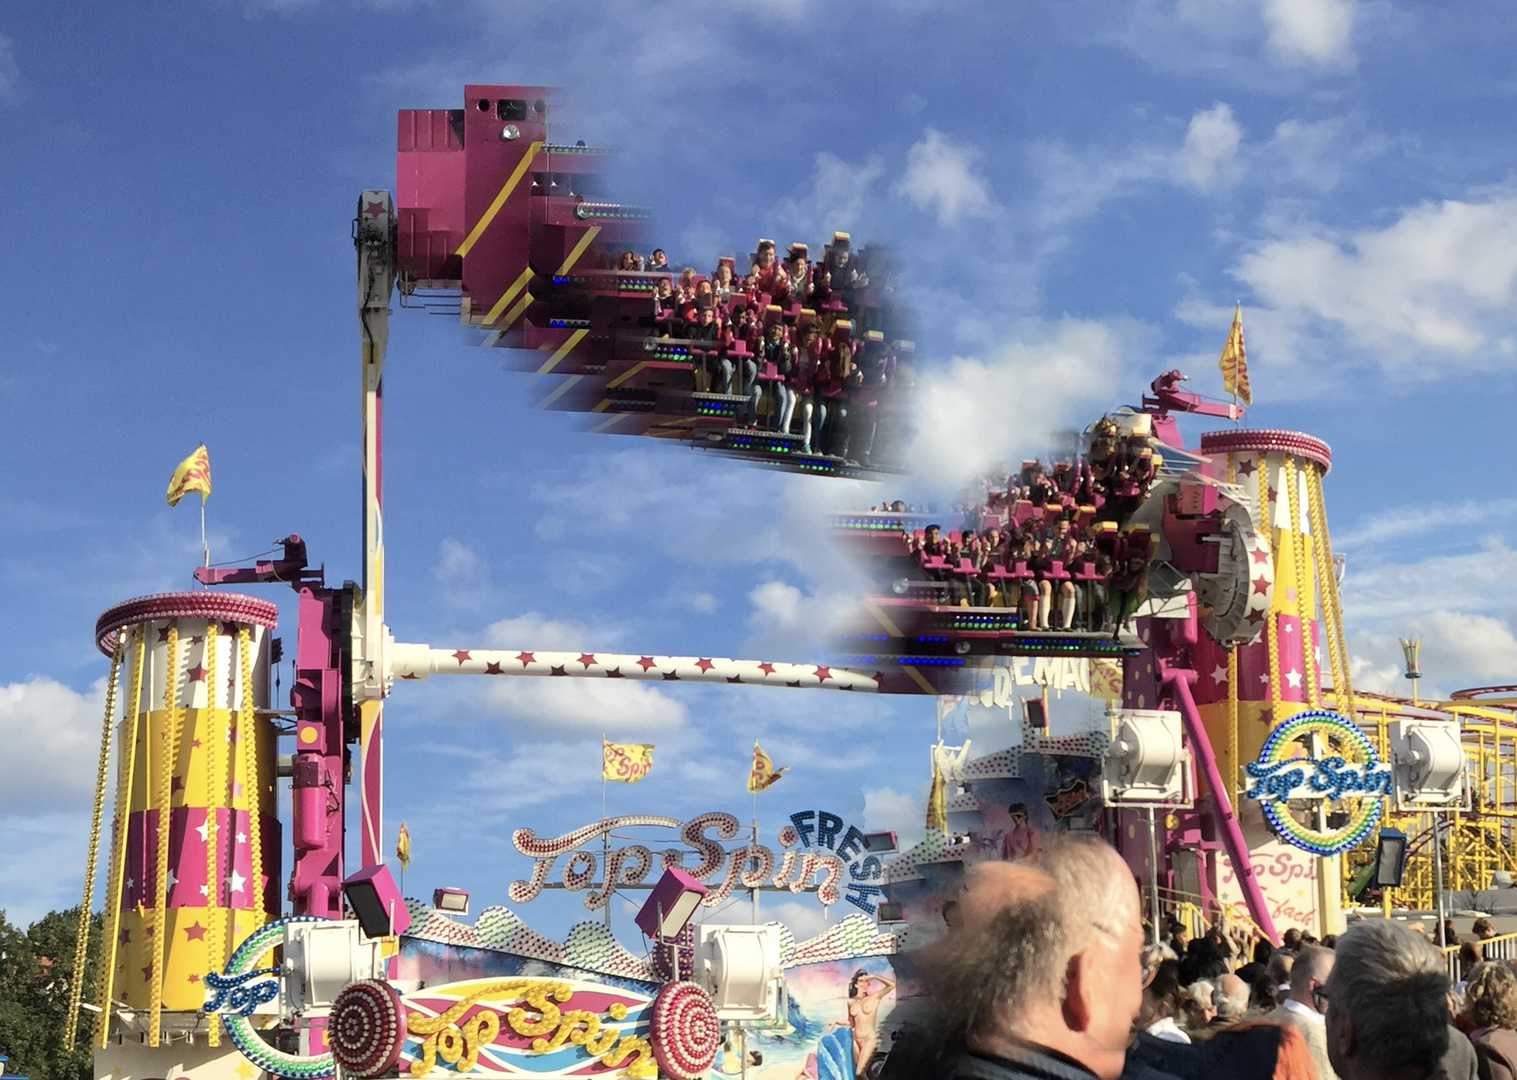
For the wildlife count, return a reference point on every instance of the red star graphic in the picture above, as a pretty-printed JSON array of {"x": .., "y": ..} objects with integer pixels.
[
  {"x": 1261, "y": 586},
  {"x": 615, "y": 673},
  {"x": 147, "y": 973},
  {"x": 526, "y": 658},
  {"x": 373, "y": 209},
  {"x": 670, "y": 676},
  {"x": 194, "y": 978},
  {"x": 412, "y": 676},
  {"x": 879, "y": 678},
  {"x": 1246, "y": 467},
  {"x": 704, "y": 664},
  {"x": 645, "y": 662},
  {"x": 823, "y": 673},
  {"x": 194, "y": 932},
  {"x": 125, "y": 938},
  {"x": 587, "y": 658},
  {"x": 1260, "y": 556},
  {"x": 1273, "y": 494},
  {"x": 195, "y": 743},
  {"x": 196, "y": 673},
  {"x": 795, "y": 684},
  {"x": 557, "y": 671},
  {"x": 493, "y": 668},
  {"x": 461, "y": 655},
  {"x": 231, "y": 629},
  {"x": 1254, "y": 616},
  {"x": 734, "y": 678},
  {"x": 163, "y": 634},
  {"x": 176, "y": 784},
  {"x": 767, "y": 668}
]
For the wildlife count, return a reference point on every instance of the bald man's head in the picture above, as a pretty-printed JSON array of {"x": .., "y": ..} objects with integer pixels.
[
  {"x": 992, "y": 887},
  {"x": 1230, "y": 997}
]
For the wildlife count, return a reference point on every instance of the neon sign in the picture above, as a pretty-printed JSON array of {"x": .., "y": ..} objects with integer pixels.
[
  {"x": 815, "y": 844},
  {"x": 1354, "y": 774}
]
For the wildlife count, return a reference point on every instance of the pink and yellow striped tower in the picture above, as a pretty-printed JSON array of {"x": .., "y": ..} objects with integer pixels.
[
  {"x": 193, "y": 750},
  {"x": 1244, "y": 692}
]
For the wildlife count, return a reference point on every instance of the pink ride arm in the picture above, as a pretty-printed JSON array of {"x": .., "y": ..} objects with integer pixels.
[
  {"x": 420, "y": 661},
  {"x": 1179, "y": 680}
]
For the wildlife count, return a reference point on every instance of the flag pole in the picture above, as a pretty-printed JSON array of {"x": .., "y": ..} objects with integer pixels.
[
  {"x": 204, "y": 547},
  {"x": 605, "y": 836}
]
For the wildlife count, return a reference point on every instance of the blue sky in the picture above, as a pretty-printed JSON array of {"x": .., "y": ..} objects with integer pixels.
[{"x": 1079, "y": 190}]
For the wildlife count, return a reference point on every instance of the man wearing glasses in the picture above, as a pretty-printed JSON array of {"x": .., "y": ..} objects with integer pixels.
[{"x": 1304, "y": 1008}]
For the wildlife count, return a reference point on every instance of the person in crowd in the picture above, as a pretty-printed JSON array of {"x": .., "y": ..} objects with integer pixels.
[
  {"x": 1385, "y": 997},
  {"x": 1450, "y": 935},
  {"x": 1490, "y": 1007},
  {"x": 1459, "y": 1061},
  {"x": 658, "y": 262},
  {"x": 1255, "y": 968},
  {"x": 1179, "y": 936},
  {"x": 1197, "y": 1007},
  {"x": 1229, "y": 1003},
  {"x": 684, "y": 292},
  {"x": 1290, "y": 941},
  {"x": 1469, "y": 957},
  {"x": 1161, "y": 1004},
  {"x": 1329, "y": 941},
  {"x": 1302, "y": 1007},
  {"x": 821, "y": 289},
  {"x": 1049, "y": 986},
  {"x": 1482, "y": 931},
  {"x": 628, "y": 260},
  {"x": 845, "y": 381},
  {"x": 666, "y": 304},
  {"x": 777, "y": 351}
]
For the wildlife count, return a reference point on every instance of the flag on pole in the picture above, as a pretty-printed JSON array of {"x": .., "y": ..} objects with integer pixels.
[
  {"x": 403, "y": 847},
  {"x": 937, "y": 797},
  {"x": 1234, "y": 363},
  {"x": 763, "y": 773},
  {"x": 193, "y": 474},
  {"x": 1105, "y": 678},
  {"x": 626, "y": 763}
]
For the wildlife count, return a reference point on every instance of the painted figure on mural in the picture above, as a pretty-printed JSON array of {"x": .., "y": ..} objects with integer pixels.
[
  {"x": 1021, "y": 840},
  {"x": 863, "y": 1016}
]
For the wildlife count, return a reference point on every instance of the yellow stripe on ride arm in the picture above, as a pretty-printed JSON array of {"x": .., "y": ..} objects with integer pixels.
[
  {"x": 562, "y": 351},
  {"x": 500, "y": 199}
]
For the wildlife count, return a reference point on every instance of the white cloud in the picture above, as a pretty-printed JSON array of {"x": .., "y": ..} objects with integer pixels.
[
  {"x": 835, "y": 198},
  {"x": 1403, "y": 522},
  {"x": 1458, "y": 649},
  {"x": 51, "y": 736},
  {"x": 900, "y": 812},
  {"x": 584, "y": 705},
  {"x": 941, "y": 176},
  {"x": 534, "y": 630},
  {"x": 702, "y": 603},
  {"x": 10, "y": 72},
  {"x": 1441, "y": 280},
  {"x": 776, "y": 604},
  {"x": 1209, "y": 157},
  {"x": 1473, "y": 581},
  {"x": 1310, "y": 31},
  {"x": 460, "y": 575},
  {"x": 966, "y": 414}
]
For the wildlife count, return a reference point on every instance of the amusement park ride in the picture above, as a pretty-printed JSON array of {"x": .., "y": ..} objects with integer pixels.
[{"x": 1236, "y": 774}]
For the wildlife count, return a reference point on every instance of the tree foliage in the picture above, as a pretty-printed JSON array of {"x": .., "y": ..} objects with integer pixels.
[{"x": 36, "y": 973}]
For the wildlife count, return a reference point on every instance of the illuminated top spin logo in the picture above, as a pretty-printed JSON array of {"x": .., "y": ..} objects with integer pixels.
[{"x": 1349, "y": 774}]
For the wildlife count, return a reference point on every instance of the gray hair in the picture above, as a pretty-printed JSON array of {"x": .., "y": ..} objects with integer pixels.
[
  {"x": 989, "y": 980},
  {"x": 1312, "y": 962},
  {"x": 1094, "y": 891},
  {"x": 1230, "y": 1005},
  {"x": 1391, "y": 983}
]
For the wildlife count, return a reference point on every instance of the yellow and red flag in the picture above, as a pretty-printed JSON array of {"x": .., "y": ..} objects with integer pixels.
[
  {"x": 763, "y": 773},
  {"x": 937, "y": 797},
  {"x": 1234, "y": 362},
  {"x": 403, "y": 847},
  {"x": 1105, "y": 678},
  {"x": 193, "y": 474},
  {"x": 624, "y": 762}
]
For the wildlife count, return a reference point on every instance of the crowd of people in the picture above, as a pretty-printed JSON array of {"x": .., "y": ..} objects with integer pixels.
[
  {"x": 817, "y": 336},
  {"x": 1043, "y": 973},
  {"x": 1043, "y": 539}
]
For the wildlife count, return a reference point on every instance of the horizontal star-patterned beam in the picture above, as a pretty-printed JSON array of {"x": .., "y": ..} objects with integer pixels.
[{"x": 420, "y": 661}]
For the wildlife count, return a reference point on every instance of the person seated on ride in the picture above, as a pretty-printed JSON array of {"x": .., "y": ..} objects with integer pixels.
[
  {"x": 876, "y": 365},
  {"x": 844, "y": 267},
  {"x": 798, "y": 274},
  {"x": 845, "y": 383},
  {"x": 665, "y": 305},
  {"x": 658, "y": 262},
  {"x": 770, "y": 275},
  {"x": 1063, "y": 546},
  {"x": 809, "y": 368},
  {"x": 1040, "y": 563},
  {"x": 723, "y": 283},
  {"x": 745, "y": 329},
  {"x": 705, "y": 297},
  {"x": 709, "y": 341},
  {"x": 1026, "y": 553},
  {"x": 777, "y": 351},
  {"x": 685, "y": 290},
  {"x": 628, "y": 260},
  {"x": 821, "y": 289},
  {"x": 992, "y": 554}
]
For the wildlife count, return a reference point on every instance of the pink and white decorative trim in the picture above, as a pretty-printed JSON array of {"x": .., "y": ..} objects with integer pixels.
[{"x": 1269, "y": 441}]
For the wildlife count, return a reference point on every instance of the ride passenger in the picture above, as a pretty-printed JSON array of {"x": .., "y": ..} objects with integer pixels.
[{"x": 777, "y": 351}]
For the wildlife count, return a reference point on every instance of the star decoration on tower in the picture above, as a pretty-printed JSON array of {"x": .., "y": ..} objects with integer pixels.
[
  {"x": 1293, "y": 678},
  {"x": 461, "y": 655},
  {"x": 373, "y": 209},
  {"x": 237, "y": 882},
  {"x": 194, "y": 932},
  {"x": 526, "y": 658},
  {"x": 671, "y": 676},
  {"x": 557, "y": 671},
  {"x": 767, "y": 668},
  {"x": 645, "y": 662},
  {"x": 1246, "y": 467},
  {"x": 1261, "y": 556},
  {"x": 1219, "y": 675},
  {"x": 704, "y": 663},
  {"x": 586, "y": 659},
  {"x": 492, "y": 667},
  {"x": 823, "y": 673}
]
